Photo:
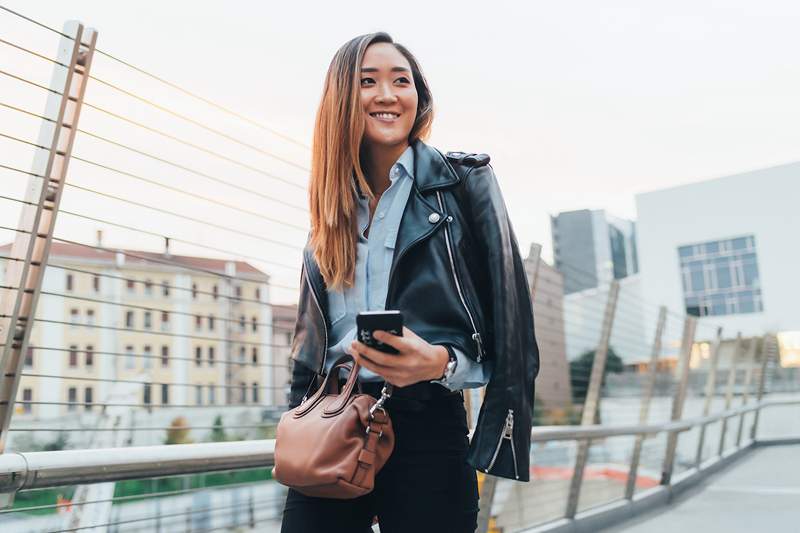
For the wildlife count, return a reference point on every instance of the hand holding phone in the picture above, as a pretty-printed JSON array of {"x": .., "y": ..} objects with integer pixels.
[{"x": 369, "y": 321}]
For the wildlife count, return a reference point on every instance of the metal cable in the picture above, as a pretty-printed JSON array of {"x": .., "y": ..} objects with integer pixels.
[
  {"x": 171, "y": 163},
  {"x": 200, "y": 196},
  {"x": 36, "y": 54},
  {"x": 144, "y": 428},
  {"x": 29, "y": 82},
  {"x": 134, "y": 382},
  {"x": 159, "y": 494},
  {"x": 210, "y": 362},
  {"x": 194, "y": 123},
  {"x": 204, "y": 100},
  {"x": 144, "y": 282},
  {"x": 186, "y": 143},
  {"x": 153, "y": 309},
  {"x": 77, "y": 404},
  {"x": 165, "y": 82},
  {"x": 163, "y": 261},
  {"x": 153, "y": 332},
  {"x": 146, "y": 232}
]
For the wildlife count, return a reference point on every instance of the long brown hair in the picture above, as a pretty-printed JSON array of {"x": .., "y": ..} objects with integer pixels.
[{"x": 335, "y": 162}]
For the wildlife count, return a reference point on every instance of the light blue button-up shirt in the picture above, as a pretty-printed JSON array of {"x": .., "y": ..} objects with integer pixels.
[{"x": 373, "y": 264}]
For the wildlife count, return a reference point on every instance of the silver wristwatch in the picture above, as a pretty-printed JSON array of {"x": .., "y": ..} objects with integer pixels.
[{"x": 450, "y": 369}]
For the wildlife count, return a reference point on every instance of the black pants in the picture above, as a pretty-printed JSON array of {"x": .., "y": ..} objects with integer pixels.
[{"x": 425, "y": 486}]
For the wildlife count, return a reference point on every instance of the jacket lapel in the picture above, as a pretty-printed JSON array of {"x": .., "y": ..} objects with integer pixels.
[{"x": 422, "y": 217}]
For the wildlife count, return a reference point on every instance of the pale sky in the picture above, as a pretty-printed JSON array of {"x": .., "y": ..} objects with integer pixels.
[{"x": 579, "y": 104}]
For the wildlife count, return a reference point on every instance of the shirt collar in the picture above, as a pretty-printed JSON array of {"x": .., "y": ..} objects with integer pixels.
[{"x": 405, "y": 163}]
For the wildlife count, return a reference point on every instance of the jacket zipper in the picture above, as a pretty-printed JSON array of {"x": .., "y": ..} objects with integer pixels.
[
  {"x": 507, "y": 433},
  {"x": 322, "y": 314},
  {"x": 476, "y": 336}
]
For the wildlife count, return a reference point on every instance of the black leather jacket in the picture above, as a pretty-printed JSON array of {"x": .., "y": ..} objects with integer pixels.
[{"x": 458, "y": 277}]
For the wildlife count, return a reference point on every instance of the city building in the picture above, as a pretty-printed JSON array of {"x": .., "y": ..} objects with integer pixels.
[
  {"x": 725, "y": 250},
  {"x": 184, "y": 331},
  {"x": 547, "y": 292},
  {"x": 592, "y": 247}
]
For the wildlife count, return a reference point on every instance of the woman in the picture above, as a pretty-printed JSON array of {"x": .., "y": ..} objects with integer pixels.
[{"x": 397, "y": 225}]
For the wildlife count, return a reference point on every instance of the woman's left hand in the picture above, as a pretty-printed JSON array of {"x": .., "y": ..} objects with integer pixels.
[{"x": 417, "y": 360}]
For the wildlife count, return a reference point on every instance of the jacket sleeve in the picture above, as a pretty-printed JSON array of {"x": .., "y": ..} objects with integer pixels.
[
  {"x": 508, "y": 402},
  {"x": 302, "y": 375}
]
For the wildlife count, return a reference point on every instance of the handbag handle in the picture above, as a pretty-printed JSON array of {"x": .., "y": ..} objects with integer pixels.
[{"x": 332, "y": 386}]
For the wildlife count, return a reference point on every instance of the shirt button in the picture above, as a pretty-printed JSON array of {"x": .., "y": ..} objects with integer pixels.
[
  {"x": 434, "y": 218},
  {"x": 395, "y": 172},
  {"x": 382, "y": 214}
]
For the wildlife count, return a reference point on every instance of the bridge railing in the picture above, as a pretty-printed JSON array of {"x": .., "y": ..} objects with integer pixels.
[{"x": 144, "y": 370}]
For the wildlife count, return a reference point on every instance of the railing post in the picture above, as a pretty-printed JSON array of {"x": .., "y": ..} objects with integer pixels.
[
  {"x": 770, "y": 351},
  {"x": 38, "y": 218},
  {"x": 647, "y": 396},
  {"x": 711, "y": 384},
  {"x": 737, "y": 351},
  {"x": 758, "y": 345},
  {"x": 689, "y": 326},
  {"x": 591, "y": 404}
]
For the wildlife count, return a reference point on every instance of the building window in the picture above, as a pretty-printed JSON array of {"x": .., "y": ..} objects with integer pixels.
[
  {"x": 255, "y": 355},
  {"x": 211, "y": 322},
  {"x": 164, "y": 394},
  {"x": 131, "y": 285},
  {"x": 96, "y": 283},
  {"x": 212, "y": 398},
  {"x": 721, "y": 277},
  {"x": 27, "y": 398},
  {"x": 242, "y": 351},
  {"x": 238, "y": 292},
  {"x": 87, "y": 398},
  {"x": 198, "y": 395},
  {"x": 70, "y": 282},
  {"x": 148, "y": 320},
  {"x": 258, "y": 294},
  {"x": 128, "y": 319},
  {"x": 254, "y": 323},
  {"x": 255, "y": 392},
  {"x": 215, "y": 291},
  {"x": 72, "y": 398},
  {"x": 90, "y": 317},
  {"x": 210, "y": 356},
  {"x": 89, "y": 355},
  {"x": 242, "y": 392},
  {"x": 164, "y": 321},
  {"x": 130, "y": 358},
  {"x": 198, "y": 355},
  {"x": 194, "y": 290},
  {"x": 146, "y": 395},
  {"x": 148, "y": 357},
  {"x": 73, "y": 356},
  {"x": 148, "y": 286},
  {"x": 165, "y": 288},
  {"x": 74, "y": 317},
  {"x": 198, "y": 322},
  {"x": 242, "y": 323},
  {"x": 29, "y": 356},
  {"x": 165, "y": 355}
]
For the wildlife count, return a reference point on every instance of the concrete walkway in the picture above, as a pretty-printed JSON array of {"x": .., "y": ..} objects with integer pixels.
[{"x": 759, "y": 492}]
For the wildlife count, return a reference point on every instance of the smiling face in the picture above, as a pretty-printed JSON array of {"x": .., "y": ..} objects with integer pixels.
[{"x": 388, "y": 96}]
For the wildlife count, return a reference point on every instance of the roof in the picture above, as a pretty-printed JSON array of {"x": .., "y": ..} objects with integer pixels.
[{"x": 139, "y": 257}]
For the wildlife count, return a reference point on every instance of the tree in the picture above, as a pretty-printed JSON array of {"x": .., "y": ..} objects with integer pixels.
[
  {"x": 218, "y": 430},
  {"x": 581, "y": 370},
  {"x": 178, "y": 432}
]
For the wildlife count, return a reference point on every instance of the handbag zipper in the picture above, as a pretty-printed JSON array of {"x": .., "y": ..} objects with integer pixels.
[
  {"x": 508, "y": 433},
  {"x": 476, "y": 336},
  {"x": 322, "y": 314}
]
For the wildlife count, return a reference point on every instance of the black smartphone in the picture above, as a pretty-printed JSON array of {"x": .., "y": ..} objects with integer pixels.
[{"x": 369, "y": 321}]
